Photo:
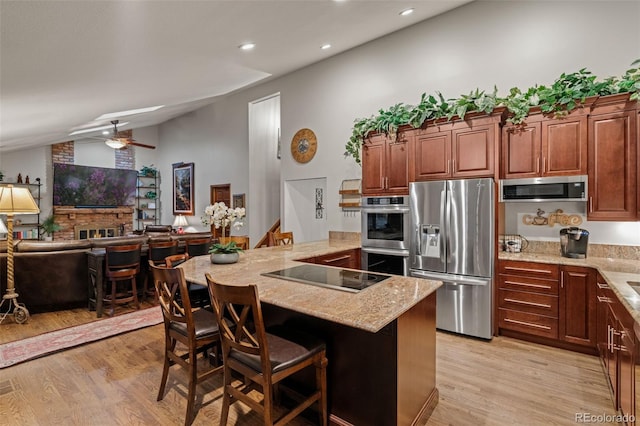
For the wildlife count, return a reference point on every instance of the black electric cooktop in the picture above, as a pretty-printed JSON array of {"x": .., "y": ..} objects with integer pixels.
[{"x": 339, "y": 279}]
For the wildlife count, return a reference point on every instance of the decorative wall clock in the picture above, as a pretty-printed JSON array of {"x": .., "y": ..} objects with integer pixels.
[{"x": 304, "y": 145}]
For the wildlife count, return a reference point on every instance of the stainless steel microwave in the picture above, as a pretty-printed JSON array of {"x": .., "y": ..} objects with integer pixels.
[{"x": 559, "y": 188}]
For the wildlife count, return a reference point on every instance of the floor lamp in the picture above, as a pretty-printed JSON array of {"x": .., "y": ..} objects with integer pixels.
[{"x": 13, "y": 201}]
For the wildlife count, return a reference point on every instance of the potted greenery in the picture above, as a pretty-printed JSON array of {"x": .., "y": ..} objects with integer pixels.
[
  {"x": 148, "y": 171},
  {"x": 221, "y": 216},
  {"x": 49, "y": 226}
]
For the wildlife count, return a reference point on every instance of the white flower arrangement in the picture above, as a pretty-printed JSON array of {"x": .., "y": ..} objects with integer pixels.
[{"x": 221, "y": 216}]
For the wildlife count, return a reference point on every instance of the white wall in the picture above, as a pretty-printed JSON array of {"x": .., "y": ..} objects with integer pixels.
[
  {"x": 300, "y": 214},
  {"x": 483, "y": 43}
]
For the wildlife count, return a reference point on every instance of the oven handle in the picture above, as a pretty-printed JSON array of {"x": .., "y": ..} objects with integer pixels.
[
  {"x": 389, "y": 209},
  {"x": 389, "y": 252}
]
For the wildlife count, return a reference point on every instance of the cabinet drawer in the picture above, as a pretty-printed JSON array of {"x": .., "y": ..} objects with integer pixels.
[
  {"x": 529, "y": 269},
  {"x": 342, "y": 259},
  {"x": 534, "y": 303},
  {"x": 532, "y": 285},
  {"x": 524, "y": 322}
]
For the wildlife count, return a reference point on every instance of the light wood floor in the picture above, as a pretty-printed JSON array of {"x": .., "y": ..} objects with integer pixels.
[{"x": 115, "y": 382}]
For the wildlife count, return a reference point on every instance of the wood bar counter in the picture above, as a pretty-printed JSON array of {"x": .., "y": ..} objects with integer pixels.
[{"x": 380, "y": 341}]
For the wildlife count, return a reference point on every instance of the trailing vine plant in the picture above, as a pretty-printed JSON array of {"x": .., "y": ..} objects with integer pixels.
[{"x": 567, "y": 92}]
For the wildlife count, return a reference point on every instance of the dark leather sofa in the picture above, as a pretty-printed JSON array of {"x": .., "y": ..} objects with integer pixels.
[{"x": 53, "y": 275}]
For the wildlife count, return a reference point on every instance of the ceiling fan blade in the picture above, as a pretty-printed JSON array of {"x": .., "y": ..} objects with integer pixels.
[{"x": 130, "y": 142}]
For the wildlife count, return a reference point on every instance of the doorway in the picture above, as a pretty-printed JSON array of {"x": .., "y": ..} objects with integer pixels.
[
  {"x": 220, "y": 194},
  {"x": 304, "y": 209}
]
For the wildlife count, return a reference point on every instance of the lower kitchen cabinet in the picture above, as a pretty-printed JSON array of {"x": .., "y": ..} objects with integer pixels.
[
  {"x": 618, "y": 351},
  {"x": 555, "y": 303},
  {"x": 578, "y": 306},
  {"x": 342, "y": 259}
]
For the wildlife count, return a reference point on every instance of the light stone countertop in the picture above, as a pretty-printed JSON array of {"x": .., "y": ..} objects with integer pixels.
[
  {"x": 370, "y": 309},
  {"x": 617, "y": 272}
]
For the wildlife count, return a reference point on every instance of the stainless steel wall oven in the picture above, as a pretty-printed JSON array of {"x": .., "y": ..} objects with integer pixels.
[{"x": 385, "y": 222}]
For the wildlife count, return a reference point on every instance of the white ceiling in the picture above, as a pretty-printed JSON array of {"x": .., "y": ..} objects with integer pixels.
[{"x": 64, "y": 63}]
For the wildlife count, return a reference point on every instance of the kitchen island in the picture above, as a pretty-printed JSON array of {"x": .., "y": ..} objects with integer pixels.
[{"x": 380, "y": 341}]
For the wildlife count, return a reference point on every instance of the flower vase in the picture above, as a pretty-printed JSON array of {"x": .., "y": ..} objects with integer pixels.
[{"x": 224, "y": 258}]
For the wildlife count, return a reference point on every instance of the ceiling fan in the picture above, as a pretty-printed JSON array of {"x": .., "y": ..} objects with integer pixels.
[{"x": 116, "y": 142}]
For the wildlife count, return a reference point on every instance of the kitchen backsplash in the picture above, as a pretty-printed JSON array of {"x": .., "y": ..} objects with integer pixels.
[{"x": 593, "y": 250}]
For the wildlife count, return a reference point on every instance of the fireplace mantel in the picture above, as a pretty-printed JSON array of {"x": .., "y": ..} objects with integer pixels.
[{"x": 73, "y": 218}]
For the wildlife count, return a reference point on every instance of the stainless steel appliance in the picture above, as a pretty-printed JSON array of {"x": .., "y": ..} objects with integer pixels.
[
  {"x": 558, "y": 188},
  {"x": 385, "y": 222},
  {"x": 573, "y": 242},
  {"x": 338, "y": 279},
  {"x": 385, "y": 260},
  {"x": 452, "y": 240}
]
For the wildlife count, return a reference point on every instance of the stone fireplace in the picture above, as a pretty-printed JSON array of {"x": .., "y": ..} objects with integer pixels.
[{"x": 92, "y": 222}]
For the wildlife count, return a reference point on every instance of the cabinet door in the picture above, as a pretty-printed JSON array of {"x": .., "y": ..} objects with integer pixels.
[
  {"x": 373, "y": 152},
  {"x": 612, "y": 355},
  {"x": 626, "y": 376},
  {"x": 612, "y": 167},
  {"x": 564, "y": 146},
  {"x": 433, "y": 155},
  {"x": 473, "y": 152},
  {"x": 521, "y": 151},
  {"x": 397, "y": 164},
  {"x": 602, "y": 336},
  {"x": 578, "y": 305},
  {"x": 342, "y": 259}
]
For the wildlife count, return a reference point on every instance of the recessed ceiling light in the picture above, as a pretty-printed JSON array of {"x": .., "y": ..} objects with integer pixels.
[
  {"x": 111, "y": 115},
  {"x": 325, "y": 46},
  {"x": 95, "y": 129},
  {"x": 247, "y": 46},
  {"x": 406, "y": 12}
]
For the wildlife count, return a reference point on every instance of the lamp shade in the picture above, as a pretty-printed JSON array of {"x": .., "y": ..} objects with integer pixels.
[
  {"x": 180, "y": 221},
  {"x": 17, "y": 200},
  {"x": 3, "y": 229},
  {"x": 115, "y": 143}
]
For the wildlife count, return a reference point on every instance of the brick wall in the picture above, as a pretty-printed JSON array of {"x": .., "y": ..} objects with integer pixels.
[
  {"x": 126, "y": 157},
  {"x": 63, "y": 152}
]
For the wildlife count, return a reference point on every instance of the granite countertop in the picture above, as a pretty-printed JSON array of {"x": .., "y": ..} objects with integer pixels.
[
  {"x": 370, "y": 309},
  {"x": 617, "y": 272}
]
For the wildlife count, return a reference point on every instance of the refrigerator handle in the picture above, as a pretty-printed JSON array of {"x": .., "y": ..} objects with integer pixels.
[
  {"x": 442, "y": 225},
  {"x": 448, "y": 225},
  {"x": 419, "y": 240}
]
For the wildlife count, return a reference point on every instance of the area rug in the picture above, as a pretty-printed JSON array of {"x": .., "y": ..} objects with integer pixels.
[{"x": 35, "y": 347}]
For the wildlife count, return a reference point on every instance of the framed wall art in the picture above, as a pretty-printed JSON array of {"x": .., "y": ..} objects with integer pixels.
[
  {"x": 183, "y": 198},
  {"x": 238, "y": 200}
]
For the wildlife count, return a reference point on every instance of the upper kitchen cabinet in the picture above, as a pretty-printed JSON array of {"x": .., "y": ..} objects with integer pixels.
[
  {"x": 544, "y": 146},
  {"x": 461, "y": 149},
  {"x": 613, "y": 160},
  {"x": 385, "y": 164}
]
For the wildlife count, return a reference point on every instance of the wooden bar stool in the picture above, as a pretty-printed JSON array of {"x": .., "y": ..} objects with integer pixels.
[
  {"x": 280, "y": 239},
  {"x": 158, "y": 251},
  {"x": 122, "y": 264},
  {"x": 198, "y": 247},
  {"x": 241, "y": 241},
  {"x": 197, "y": 330},
  {"x": 264, "y": 359}
]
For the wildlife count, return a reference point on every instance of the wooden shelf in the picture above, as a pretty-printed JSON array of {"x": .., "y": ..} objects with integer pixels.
[
  {"x": 349, "y": 205},
  {"x": 349, "y": 191}
]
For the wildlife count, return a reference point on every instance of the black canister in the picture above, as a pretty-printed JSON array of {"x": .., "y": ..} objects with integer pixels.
[{"x": 573, "y": 242}]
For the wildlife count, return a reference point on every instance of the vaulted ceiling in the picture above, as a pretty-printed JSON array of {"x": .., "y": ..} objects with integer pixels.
[{"x": 65, "y": 63}]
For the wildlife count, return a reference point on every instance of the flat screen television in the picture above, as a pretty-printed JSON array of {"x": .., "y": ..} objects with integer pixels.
[{"x": 86, "y": 186}]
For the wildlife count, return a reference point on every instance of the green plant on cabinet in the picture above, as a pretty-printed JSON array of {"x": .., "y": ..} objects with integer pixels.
[{"x": 566, "y": 93}]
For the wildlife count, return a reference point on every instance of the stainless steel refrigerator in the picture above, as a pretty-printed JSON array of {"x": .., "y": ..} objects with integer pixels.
[{"x": 452, "y": 240}]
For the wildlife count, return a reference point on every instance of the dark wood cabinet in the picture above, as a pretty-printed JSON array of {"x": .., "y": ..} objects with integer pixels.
[
  {"x": 545, "y": 146},
  {"x": 613, "y": 163},
  {"x": 385, "y": 164},
  {"x": 578, "y": 305},
  {"x": 555, "y": 303},
  {"x": 343, "y": 259},
  {"x": 617, "y": 346},
  {"x": 461, "y": 149},
  {"x": 528, "y": 298}
]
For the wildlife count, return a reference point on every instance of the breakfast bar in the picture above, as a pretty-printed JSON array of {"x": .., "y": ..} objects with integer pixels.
[{"x": 380, "y": 340}]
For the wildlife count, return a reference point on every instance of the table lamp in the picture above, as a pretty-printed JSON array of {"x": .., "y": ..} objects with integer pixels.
[
  {"x": 180, "y": 222},
  {"x": 13, "y": 201}
]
